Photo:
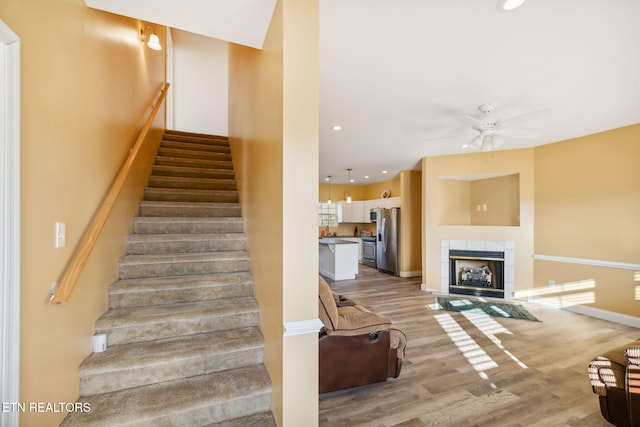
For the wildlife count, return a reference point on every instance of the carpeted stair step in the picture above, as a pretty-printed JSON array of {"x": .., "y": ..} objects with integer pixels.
[
  {"x": 138, "y": 324},
  {"x": 264, "y": 419},
  {"x": 195, "y": 146},
  {"x": 192, "y": 183},
  {"x": 179, "y": 289},
  {"x": 194, "y": 401},
  {"x": 140, "y": 364},
  {"x": 190, "y": 195},
  {"x": 186, "y": 172},
  {"x": 188, "y": 209},
  {"x": 193, "y": 163},
  {"x": 184, "y": 344},
  {"x": 190, "y": 136},
  {"x": 138, "y": 244},
  {"x": 193, "y": 154},
  {"x": 162, "y": 265},
  {"x": 180, "y": 225}
]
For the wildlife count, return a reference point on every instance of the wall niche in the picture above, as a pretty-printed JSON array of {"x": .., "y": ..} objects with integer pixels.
[{"x": 483, "y": 200}]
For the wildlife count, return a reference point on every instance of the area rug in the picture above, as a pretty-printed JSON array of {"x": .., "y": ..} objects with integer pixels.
[{"x": 492, "y": 308}]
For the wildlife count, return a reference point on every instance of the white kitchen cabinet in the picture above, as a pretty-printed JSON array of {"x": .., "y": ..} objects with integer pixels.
[
  {"x": 390, "y": 202},
  {"x": 344, "y": 212},
  {"x": 352, "y": 212},
  {"x": 358, "y": 211},
  {"x": 338, "y": 259},
  {"x": 357, "y": 240}
]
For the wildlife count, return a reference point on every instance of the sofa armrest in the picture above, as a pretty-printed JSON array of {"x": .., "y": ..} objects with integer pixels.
[
  {"x": 607, "y": 371},
  {"x": 633, "y": 385},
  {"x": 633, "y": 354},
  {"x": 356, "y": 322}
]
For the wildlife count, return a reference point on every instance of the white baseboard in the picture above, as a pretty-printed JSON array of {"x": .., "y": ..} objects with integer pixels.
[
  {"x": 411, "y": 273},
  {"x": 425, "y": 288},
  {"x": 333, "y": 276},
  {"x": 598, "y": 313}
]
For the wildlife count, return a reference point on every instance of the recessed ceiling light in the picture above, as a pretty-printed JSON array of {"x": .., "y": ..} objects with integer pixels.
[
  {"x": 366, "y": 177},
  {"x": 336, "y": 127},
  {"x": 385, "y": 171},
  {"x": 509, "y": 4},
  {"x": 327, "y": 179}
]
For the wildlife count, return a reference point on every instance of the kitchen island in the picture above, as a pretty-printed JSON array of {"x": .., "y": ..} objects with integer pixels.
[{"x": 338, "y": 258}]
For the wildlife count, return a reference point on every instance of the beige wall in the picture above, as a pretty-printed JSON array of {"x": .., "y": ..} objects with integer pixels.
[
  {"x": 360, "y": 191},
  {"x": 587, "y": 198},
  {"x": 501, "y": 196},
  {"x": 273, "y": 114},
  {"x": 374, "y": 191},
  {"x": 587, "y": 205},
  {"x": 411, "y": 222},
  {"x": 436, "y": 195},
  {"x": 87, "y": 85},
  {"x": 453, "y": 205}
]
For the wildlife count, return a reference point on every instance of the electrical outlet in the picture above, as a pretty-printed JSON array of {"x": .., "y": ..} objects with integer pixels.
[
  {"x": 484, "y": 207},
  {"x": 552, "y": 283}
]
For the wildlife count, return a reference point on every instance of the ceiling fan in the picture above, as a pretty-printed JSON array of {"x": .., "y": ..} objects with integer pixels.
[{"x": 492, "y": 130}]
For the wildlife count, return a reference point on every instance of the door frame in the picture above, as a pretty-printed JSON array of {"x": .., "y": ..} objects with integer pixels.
[{"x": 9, "y": 222}]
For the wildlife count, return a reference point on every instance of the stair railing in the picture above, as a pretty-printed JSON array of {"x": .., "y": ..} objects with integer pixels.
[{"x": 63, "y": 288}]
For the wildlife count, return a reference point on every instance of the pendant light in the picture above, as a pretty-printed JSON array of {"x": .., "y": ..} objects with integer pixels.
[
  {"x": 329, "y": 179},
  {"x": 349, "y": 194}
]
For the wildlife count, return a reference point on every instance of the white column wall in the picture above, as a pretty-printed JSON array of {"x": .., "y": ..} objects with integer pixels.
[{"x": 200, "y": 83}]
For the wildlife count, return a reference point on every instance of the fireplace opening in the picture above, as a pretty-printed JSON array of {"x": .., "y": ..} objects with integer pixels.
[{"x": 479, "y": 273}]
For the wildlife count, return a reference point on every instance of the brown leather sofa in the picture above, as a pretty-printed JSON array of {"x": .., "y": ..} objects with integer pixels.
[
  {"x": 615, "y": 378},
  {"x": 357, "y": 347}
]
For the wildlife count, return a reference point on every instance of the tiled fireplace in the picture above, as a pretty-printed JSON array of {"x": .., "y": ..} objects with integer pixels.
[{"x": 477, "y": 267}]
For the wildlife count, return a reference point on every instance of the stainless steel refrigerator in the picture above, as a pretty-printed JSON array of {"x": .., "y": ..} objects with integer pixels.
[{"x": 388, "y": 240}]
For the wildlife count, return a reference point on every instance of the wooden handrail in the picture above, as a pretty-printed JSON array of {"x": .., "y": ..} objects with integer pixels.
[{"x": 66, "y": 283}]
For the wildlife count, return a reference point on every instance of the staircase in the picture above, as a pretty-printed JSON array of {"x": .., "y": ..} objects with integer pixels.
[{"x": 184, "y": 346}]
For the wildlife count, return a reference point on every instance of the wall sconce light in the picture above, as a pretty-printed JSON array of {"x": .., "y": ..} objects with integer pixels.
[
  {"x": 149, "y": 35},
  {"x": 348, "y": 193}
]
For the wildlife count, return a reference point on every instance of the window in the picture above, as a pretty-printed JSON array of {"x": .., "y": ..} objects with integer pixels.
[{"x": 327, "y": 214}]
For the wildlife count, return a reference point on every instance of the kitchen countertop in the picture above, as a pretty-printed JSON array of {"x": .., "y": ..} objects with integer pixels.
[{"x": 335, "y": 241}]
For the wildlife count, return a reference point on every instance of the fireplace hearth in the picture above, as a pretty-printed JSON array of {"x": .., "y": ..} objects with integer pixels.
[{"x": 478, "y": 273}]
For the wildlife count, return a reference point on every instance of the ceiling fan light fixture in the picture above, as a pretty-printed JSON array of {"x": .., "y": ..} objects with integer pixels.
[{"x": 509, "y": 4}]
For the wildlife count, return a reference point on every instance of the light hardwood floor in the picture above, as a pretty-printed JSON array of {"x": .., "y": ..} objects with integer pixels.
[{"x": 515, "y": 372}]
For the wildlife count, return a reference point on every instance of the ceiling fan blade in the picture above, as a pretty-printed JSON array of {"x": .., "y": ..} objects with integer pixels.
[
  {"x": 519, "y": 133},
  {"x": 471, "y": 120},
  {"x": 531, "y": 115},
  {"x": 476, "y": 142},
  {"x": 450, "y": 135}
]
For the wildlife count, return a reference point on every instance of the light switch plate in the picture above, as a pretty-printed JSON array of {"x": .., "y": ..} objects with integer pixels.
[{"x": 61, "y": 234}]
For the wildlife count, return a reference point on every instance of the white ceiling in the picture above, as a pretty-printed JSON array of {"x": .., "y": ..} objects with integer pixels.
[
  {"x": 243, "y": 22},
  {"x": 397, "y": 74}
]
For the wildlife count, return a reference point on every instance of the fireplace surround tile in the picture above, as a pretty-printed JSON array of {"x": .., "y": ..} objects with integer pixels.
[
  {"x": 506, "y": 246},
  {"x": 495, "y": 246},
  {"x": 458, "y": 244}
]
